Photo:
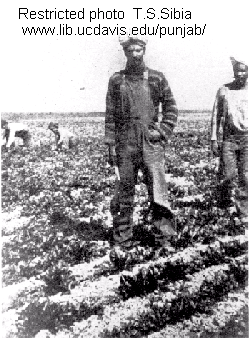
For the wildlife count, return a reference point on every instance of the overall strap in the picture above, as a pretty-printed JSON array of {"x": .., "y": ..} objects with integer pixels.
[
  {"x": 145, "y": 75},
  {"x": 225, "y": 103},
  {"x": 122, "y": 88}
]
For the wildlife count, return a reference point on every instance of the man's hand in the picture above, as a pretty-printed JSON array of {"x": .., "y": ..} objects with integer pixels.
[
  {"x": 214, "y": 148},
  {"x": 112, "y": 156}
]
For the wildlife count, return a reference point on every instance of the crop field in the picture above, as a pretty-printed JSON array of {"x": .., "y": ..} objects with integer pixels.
[{"x": 57, "y": 279}]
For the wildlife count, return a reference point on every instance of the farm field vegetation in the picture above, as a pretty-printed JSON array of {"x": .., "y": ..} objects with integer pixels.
[{"x": 57, "y": 279}]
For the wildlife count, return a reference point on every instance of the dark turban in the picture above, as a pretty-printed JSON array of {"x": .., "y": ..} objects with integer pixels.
[{"x": 133, "y": 40}]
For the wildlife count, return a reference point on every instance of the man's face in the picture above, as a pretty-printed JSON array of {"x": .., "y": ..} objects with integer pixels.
[
  {"x": 134, "y": 54},
  {"x": 241, "y": 73}
]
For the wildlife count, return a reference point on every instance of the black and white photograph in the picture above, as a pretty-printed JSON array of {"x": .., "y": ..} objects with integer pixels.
[{"x": 124, "y": 169}]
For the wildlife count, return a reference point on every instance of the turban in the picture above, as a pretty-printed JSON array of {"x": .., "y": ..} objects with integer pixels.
[
  {"x": 236, "y": 62},
  {"x": 126, "y": 41}
]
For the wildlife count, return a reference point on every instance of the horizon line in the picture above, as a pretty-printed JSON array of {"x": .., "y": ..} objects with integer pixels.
[{"x": 83, "y": 112}]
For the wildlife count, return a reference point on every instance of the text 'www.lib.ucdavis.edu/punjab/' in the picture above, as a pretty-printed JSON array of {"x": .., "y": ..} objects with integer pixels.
[{"x": 99, "y": 30}]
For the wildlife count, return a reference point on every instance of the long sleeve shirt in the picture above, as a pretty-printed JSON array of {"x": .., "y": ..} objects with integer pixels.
[
  {"x": 161, "y": 95},
  {"x": 230, "y": 112}
]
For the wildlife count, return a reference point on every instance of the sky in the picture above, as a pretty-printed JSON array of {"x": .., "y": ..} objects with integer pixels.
[{"x": 70, "y": 73}]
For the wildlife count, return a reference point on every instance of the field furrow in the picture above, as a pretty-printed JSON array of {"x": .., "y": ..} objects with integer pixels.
[
  {"x": 58, "y": 280},
  {"x": 140, "y": 316},
  {"x": 147, "y": 277},
  {"x": 214, "y": 323}
]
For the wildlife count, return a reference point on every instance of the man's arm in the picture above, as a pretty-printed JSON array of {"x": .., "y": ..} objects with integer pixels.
[
  {"x": 169, "y": 108},
  {"x": 10, "y": 136},
  {"x": 110, "y": 116},
  {"x": 4, "y": 137},
  {"x": 109, "y": 138},
  {"x": 217, "y": 114},
  {"x": 57, "y": 138}
]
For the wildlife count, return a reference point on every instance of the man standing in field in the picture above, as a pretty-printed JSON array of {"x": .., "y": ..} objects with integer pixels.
[
  {"x": 136, "y": 137},
  {"x": 230, "y": 114},
  {"x": 12, "y": 130},
  {"x": 63, "y": 137}
]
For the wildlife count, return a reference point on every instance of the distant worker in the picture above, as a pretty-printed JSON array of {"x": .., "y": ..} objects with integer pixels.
[
  {"x": 230, "y": 112},
  {"x": 13, "y": 130},
  {"x": 63, "y": 137}
]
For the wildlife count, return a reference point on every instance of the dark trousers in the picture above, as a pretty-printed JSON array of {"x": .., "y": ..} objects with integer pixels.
[
  {"x": 27, "y": 139},
  {"x": 150, "y": 158},
  {"x": 235, "y": 163}
]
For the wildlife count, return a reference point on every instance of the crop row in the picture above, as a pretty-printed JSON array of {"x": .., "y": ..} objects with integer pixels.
[
  {"x": 195, "y": 295},
  {"x": 228, "y": 318},
  {"x": 62, "y": 310},
  {"x": 142, "y": 279},
  {"x": 140, "y": 316},
  {"x": 148, "y": 277},
  {"x": 17, "y": 295},
  {"x": 92, "y": 296},
  {"x": 65, "y": 279},
  {"x": 230, "y": 314},
  {"x": 45, "y": 244}
]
